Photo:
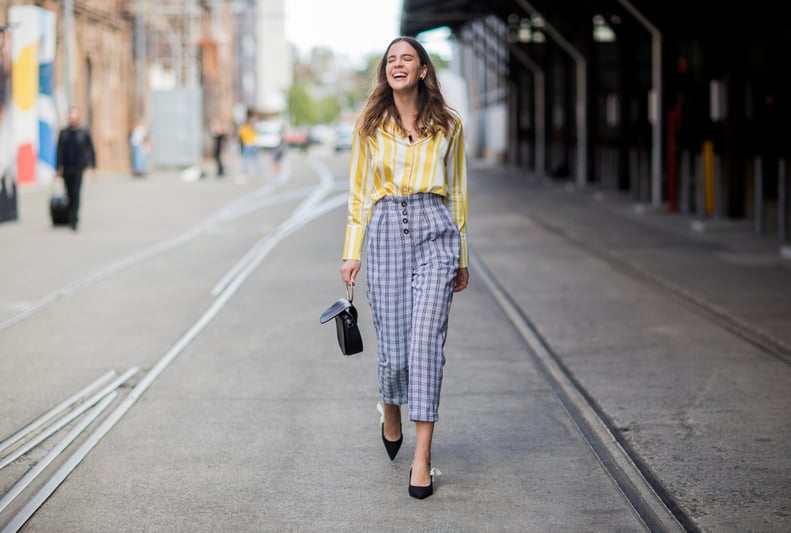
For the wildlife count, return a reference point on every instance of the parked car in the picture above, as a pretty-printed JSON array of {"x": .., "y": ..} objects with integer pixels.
[
  {"x": 296, "y": 138},
  {"x": 270, "y": 133},
  {"x": 321, "y": 134},
  {"x": 343, "y": 136}
]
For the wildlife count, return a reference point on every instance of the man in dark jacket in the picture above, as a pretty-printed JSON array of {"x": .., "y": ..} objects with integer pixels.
[{"x": 75, "y": 153}]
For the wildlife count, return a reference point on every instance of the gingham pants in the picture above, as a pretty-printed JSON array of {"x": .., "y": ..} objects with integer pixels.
[{"x": 412, "y": 259}]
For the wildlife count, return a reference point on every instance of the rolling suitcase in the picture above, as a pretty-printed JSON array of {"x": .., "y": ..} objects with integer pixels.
[{"x": 59, "y": 209}]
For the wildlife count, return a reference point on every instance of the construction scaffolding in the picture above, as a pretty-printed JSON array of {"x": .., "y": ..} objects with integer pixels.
[
  {"x": 179, "y": 45},
  {"x": 169, "y": 38}
]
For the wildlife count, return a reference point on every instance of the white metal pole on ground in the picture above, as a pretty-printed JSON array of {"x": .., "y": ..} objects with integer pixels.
[
  {"x": 55, "y": 411},
  {"x": 656, "y": 80},
  {"x": 582, "y": 92}
]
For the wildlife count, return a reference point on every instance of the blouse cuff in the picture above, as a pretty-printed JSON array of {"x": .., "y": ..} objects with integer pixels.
[
  {"x": 352, "y": 248},
  {"x": 463, "y": 255}
]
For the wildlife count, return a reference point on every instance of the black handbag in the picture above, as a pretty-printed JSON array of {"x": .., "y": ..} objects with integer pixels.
[{"x": 345, "y": 315}]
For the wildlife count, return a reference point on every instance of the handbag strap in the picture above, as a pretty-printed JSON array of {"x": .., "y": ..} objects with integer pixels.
[{"x": 350, "y": 293}]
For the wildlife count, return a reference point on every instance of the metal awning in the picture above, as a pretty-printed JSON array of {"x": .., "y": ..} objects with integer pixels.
[
  {"x": 676, "y": 17},
  {"x": 422, "y": 15}
]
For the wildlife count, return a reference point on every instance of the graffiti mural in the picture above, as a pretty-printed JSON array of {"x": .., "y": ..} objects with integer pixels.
[
  {"x": 47, "y": 116},
  {"x": 27, "y": 107},
  {"x": 25, "y": 35},
  {"x": 8, "y": 203}
]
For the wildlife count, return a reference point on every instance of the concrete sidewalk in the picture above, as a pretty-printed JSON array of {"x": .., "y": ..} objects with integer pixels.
[
  {"x": 260, "y": 424},
  {"x": 723, "y": 266},
  {"x": 681, "y": 338}
]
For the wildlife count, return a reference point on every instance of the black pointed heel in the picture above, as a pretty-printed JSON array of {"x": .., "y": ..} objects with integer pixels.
[
  {"x": 392, "y": 446},
  {"x": 420, "y": 492}
]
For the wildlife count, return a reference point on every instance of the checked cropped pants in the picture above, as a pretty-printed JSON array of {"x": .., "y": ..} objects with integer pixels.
[{"x": 412, "y": 260}]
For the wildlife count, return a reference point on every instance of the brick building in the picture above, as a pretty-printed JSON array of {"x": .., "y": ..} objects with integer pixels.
[
  {"x": 104, "y": 72},
  {"x": 101, "y": 71}
]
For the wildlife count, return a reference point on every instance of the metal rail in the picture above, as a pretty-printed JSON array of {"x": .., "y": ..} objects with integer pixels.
[
  {"x": 313, "y": 206},
  {"x": 652, "y": 503}
]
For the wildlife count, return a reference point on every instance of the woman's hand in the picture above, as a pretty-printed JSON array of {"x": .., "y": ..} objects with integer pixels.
[
  {"x": 462, "y": 277},
  {"x": 349, "y": 270}
]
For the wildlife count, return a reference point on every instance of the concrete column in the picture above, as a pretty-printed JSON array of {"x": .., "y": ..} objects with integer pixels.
[{"x": 273, "y": 57}]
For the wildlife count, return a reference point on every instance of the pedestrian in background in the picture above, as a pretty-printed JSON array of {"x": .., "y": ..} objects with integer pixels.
[
  {"x": 251, "y": 164},
  {"x": 219, "y": 135},
  {"x": 138, "y": 142},
  {"x": 75, "y": 153},
  {"x": 277, "y": 155},
  {"x": 408, "y": 191}
]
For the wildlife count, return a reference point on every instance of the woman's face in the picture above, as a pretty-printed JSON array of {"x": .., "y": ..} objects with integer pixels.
[{"x": 403, "y": 67}]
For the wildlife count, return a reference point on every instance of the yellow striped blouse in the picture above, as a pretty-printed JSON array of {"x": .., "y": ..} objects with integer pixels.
[{"x": 388, "y": 165}]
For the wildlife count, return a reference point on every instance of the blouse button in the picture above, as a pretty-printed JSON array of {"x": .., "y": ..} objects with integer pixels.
[
  {"x": 403, "y": 204},
  {"x": 406, "y": 232},
  {"x": 405, "y": 221},
  {"x": 404, "y": 212}
]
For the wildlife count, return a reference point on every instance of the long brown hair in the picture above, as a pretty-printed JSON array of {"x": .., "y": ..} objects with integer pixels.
[{"x": 433, "y": 112}]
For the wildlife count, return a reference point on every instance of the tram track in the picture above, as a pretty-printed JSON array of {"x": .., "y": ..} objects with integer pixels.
[
  {"x": 645, "y": 494},
  {"x": 239, "y": 207},
  {"x": 84, "y": 412},
  {"x": 650, "y": 501}
]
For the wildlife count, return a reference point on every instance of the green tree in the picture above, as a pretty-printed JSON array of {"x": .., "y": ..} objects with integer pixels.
[
  {"x": 329, "y": 109},
  {"x": 363, "y": 82},
  {"x": 372, "y": 67},
  {"x": 302, "y": 108},
  {"x": 439, "y": 62}
]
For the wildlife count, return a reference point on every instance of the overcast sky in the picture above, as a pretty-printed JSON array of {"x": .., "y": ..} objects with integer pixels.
[{"x": 357, "y": 28}]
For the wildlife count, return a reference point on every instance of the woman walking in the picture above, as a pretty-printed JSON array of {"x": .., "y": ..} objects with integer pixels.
[
  {"x": 251, "y": 164},
  {"x": 408, "y": 192}
]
